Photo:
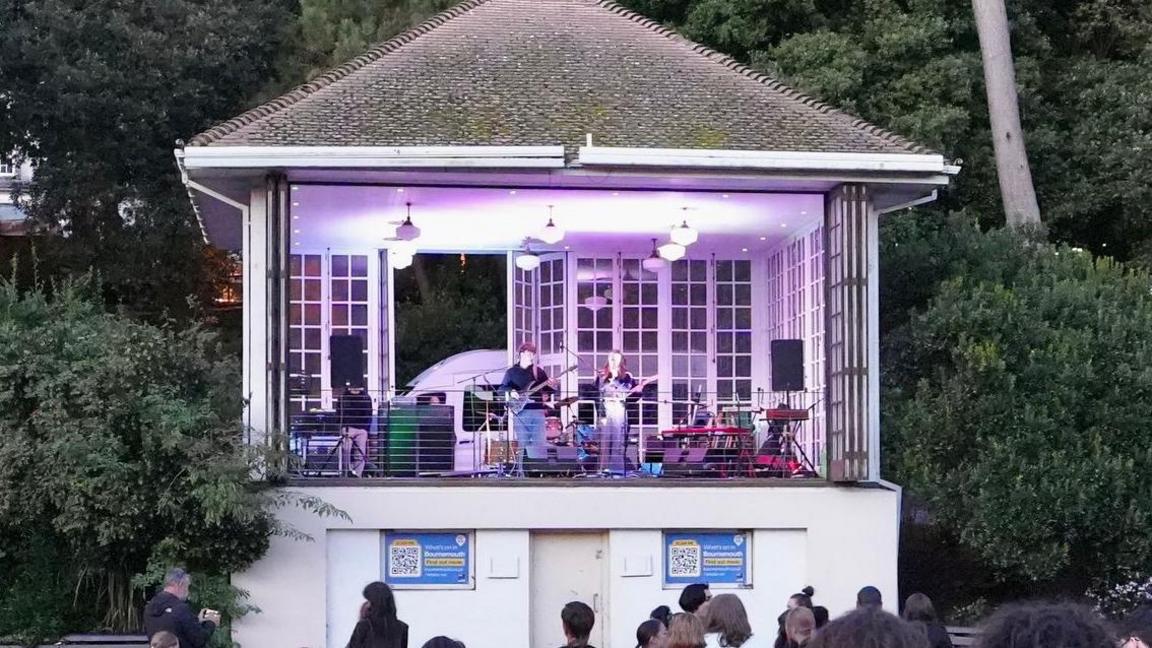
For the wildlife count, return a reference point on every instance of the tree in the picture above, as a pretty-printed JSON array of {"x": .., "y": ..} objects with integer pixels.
[
  {"x": 120, "y": 454},
  {"x": 1016, "y": 189},
  {"x": 97, "y": 93},
  {"x": 1017, "y": 405}
]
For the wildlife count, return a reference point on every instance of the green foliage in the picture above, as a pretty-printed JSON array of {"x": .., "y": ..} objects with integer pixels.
[
  {"x": 463, "y": 308},
  {"x": 329, "y": 32},
  {"x": 97, "y": 93},
  {"x": 120, "y": 455},
  {"x": 1018, "y": 402},
  {"x": 914, "y": 67}
]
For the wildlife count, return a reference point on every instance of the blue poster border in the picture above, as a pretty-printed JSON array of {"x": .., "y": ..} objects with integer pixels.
[
  {"x": 749, "y": 559},
  {"x": 471, "y": 558}
]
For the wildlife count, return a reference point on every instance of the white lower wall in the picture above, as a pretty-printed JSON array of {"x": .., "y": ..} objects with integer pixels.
[{"x": 836, "y": 539}]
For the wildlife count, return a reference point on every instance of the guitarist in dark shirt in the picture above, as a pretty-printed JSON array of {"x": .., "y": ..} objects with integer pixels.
[{"x": 523, "y": 377}]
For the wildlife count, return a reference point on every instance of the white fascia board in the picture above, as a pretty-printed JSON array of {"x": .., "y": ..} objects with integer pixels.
[
  {"x": 372, "y": 157},
  {"x": 766, "y": 160}
]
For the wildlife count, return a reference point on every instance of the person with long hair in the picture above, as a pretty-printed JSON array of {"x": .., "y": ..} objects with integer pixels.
[
  {"x": 615, "y": 385},
  {"x": 726, "y": 623},
  {"x": 378, "y": 626},
  {"x": 652, "y": 634},
  {"x": 685, "y": 630},
  {"x": 919, "y": 611},
  {"x": 801, "y": 599},
  {"x": 799, "y": 626}
]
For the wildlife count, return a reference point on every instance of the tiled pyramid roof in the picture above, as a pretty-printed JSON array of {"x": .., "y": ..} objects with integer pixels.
[{"x": 548, "y": 72}]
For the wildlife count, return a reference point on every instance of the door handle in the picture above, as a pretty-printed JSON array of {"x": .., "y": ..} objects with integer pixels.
[{"x": 596, "y": 603}]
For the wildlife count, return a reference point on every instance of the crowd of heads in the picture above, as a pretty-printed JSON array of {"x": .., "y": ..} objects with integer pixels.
[{"x": 721, "y": 621}]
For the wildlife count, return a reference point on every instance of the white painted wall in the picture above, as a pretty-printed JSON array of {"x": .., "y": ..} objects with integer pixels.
[{"x": 836, "y": 539}]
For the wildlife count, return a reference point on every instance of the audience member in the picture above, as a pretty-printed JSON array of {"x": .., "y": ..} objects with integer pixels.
[
  {"x": 168, "y": 611},
  {"x": 726, "y": 622},
  {"x": 799, "y": 626},
  {"x": 1136, "y": 630},
  {"x": 163, "y": 639},
  {"x": 577, "y": 619},
  {"x": 801, "y": 599},
  {"x": 663, "y": 614},
  {"x": 869, "y": 596},
  {"x": 821, "y": 614},
  {"x": 652, "y": 634},
  {"x": 868, "y": 627},
  {"x": 685, "y": 630},
  {"x": 694, "y": 597},
  {"x": 442, "y": 642},
  {"x": 379, "y": 627},
  {"x": 919, "y": 611},
  {"x": 1045, "y": 625}
]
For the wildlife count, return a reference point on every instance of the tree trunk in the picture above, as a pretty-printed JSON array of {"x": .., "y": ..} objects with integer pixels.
[
  {"x": 1016, "y": 190},
  {"x": 422, "y": 284}
]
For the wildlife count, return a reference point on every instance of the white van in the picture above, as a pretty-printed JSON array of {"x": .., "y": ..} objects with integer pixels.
[{"x": 466, "y": 381}]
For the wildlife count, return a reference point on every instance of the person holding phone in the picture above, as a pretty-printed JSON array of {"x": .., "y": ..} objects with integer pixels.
[{"x": 168, "y": 611}]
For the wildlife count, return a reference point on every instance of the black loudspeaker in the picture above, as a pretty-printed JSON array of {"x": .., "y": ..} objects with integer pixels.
[
  {"x": 347, "y": 354},
  {"x": 787, "y": 365}
]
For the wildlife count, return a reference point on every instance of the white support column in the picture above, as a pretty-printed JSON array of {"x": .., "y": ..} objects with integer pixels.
[{"x": 256, "y": 317}]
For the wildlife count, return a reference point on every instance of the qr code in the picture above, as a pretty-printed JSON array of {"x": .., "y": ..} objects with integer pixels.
[
  {"x": 684, "y": 561},
  {"x": 404, "y": 561}
]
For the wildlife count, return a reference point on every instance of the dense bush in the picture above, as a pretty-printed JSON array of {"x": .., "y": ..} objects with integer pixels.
[{"x": 120, "y": 454}]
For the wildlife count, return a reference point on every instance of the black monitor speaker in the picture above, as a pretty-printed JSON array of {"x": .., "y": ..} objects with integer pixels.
[
  {"x": 347, "y": 356},
  {"x": 787, "y": 365}
]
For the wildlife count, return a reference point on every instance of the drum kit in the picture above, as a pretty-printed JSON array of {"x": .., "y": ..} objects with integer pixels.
[{"x": 500, "y": 449}]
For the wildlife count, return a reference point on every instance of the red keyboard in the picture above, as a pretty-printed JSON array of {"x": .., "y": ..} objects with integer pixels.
[
  {"x": 781, "y": 414},
  {"x": 703, "y": 431}
]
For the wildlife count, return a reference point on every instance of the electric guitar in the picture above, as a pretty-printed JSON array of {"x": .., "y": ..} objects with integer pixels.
[
  {"x": 517, "y": 405},
  {"x": 639, "y": 387}
]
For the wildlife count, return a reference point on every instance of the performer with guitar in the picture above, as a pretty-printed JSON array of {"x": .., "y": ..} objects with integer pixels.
[
  {"x": 524, "y": 381},
  {"x": 615, "y": 385}
]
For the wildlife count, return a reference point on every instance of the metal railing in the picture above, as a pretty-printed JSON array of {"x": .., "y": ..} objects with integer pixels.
[{"x": 474, "y": 433}]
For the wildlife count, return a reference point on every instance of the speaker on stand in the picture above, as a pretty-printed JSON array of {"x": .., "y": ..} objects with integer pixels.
[
  {"x": 787, "y": 365},
  {"x": 346, "y": 354}
]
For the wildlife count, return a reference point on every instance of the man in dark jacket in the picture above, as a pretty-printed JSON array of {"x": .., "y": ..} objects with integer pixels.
[{"x": 168, "y": 611}]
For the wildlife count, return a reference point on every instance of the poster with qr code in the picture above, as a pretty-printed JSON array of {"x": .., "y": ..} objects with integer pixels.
[
  {"x": 719, "y": 558},
  {"x": 428, "y": 560}
]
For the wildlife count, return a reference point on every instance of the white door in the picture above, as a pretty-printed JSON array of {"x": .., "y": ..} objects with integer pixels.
[{"x": 567, "y": 567}]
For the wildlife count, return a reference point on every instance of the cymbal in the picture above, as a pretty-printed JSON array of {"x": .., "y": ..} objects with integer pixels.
[{"x": 565, "y": 402}]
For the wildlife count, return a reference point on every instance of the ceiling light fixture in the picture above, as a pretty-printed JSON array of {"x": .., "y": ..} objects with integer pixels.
[
  {"x": 672, "y": 251},
  {"x": 551, "y": 234},
  {"x": 407, "y": 231},
  {"x": 684, "y": 235},
  {"x": 400, "y": 260},
  {"x": 528, "y": 261},
  {"x": 654, "y": 263}
]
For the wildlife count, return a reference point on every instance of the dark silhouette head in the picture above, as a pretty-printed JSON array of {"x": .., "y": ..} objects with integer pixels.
[
  {"x": 578, "y": 620},
  {"x": 869, "y": 627},
  {"x": 663, "y": 614},
  {"x": 442, "y": 642},
  {"x": 1039, "y": 625},
  {"x": 694, "y": 596},
  {"x": 821, "y": 615},
  {"x": 381, "y": 610},
  {"x": 869, "y": 596}
]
